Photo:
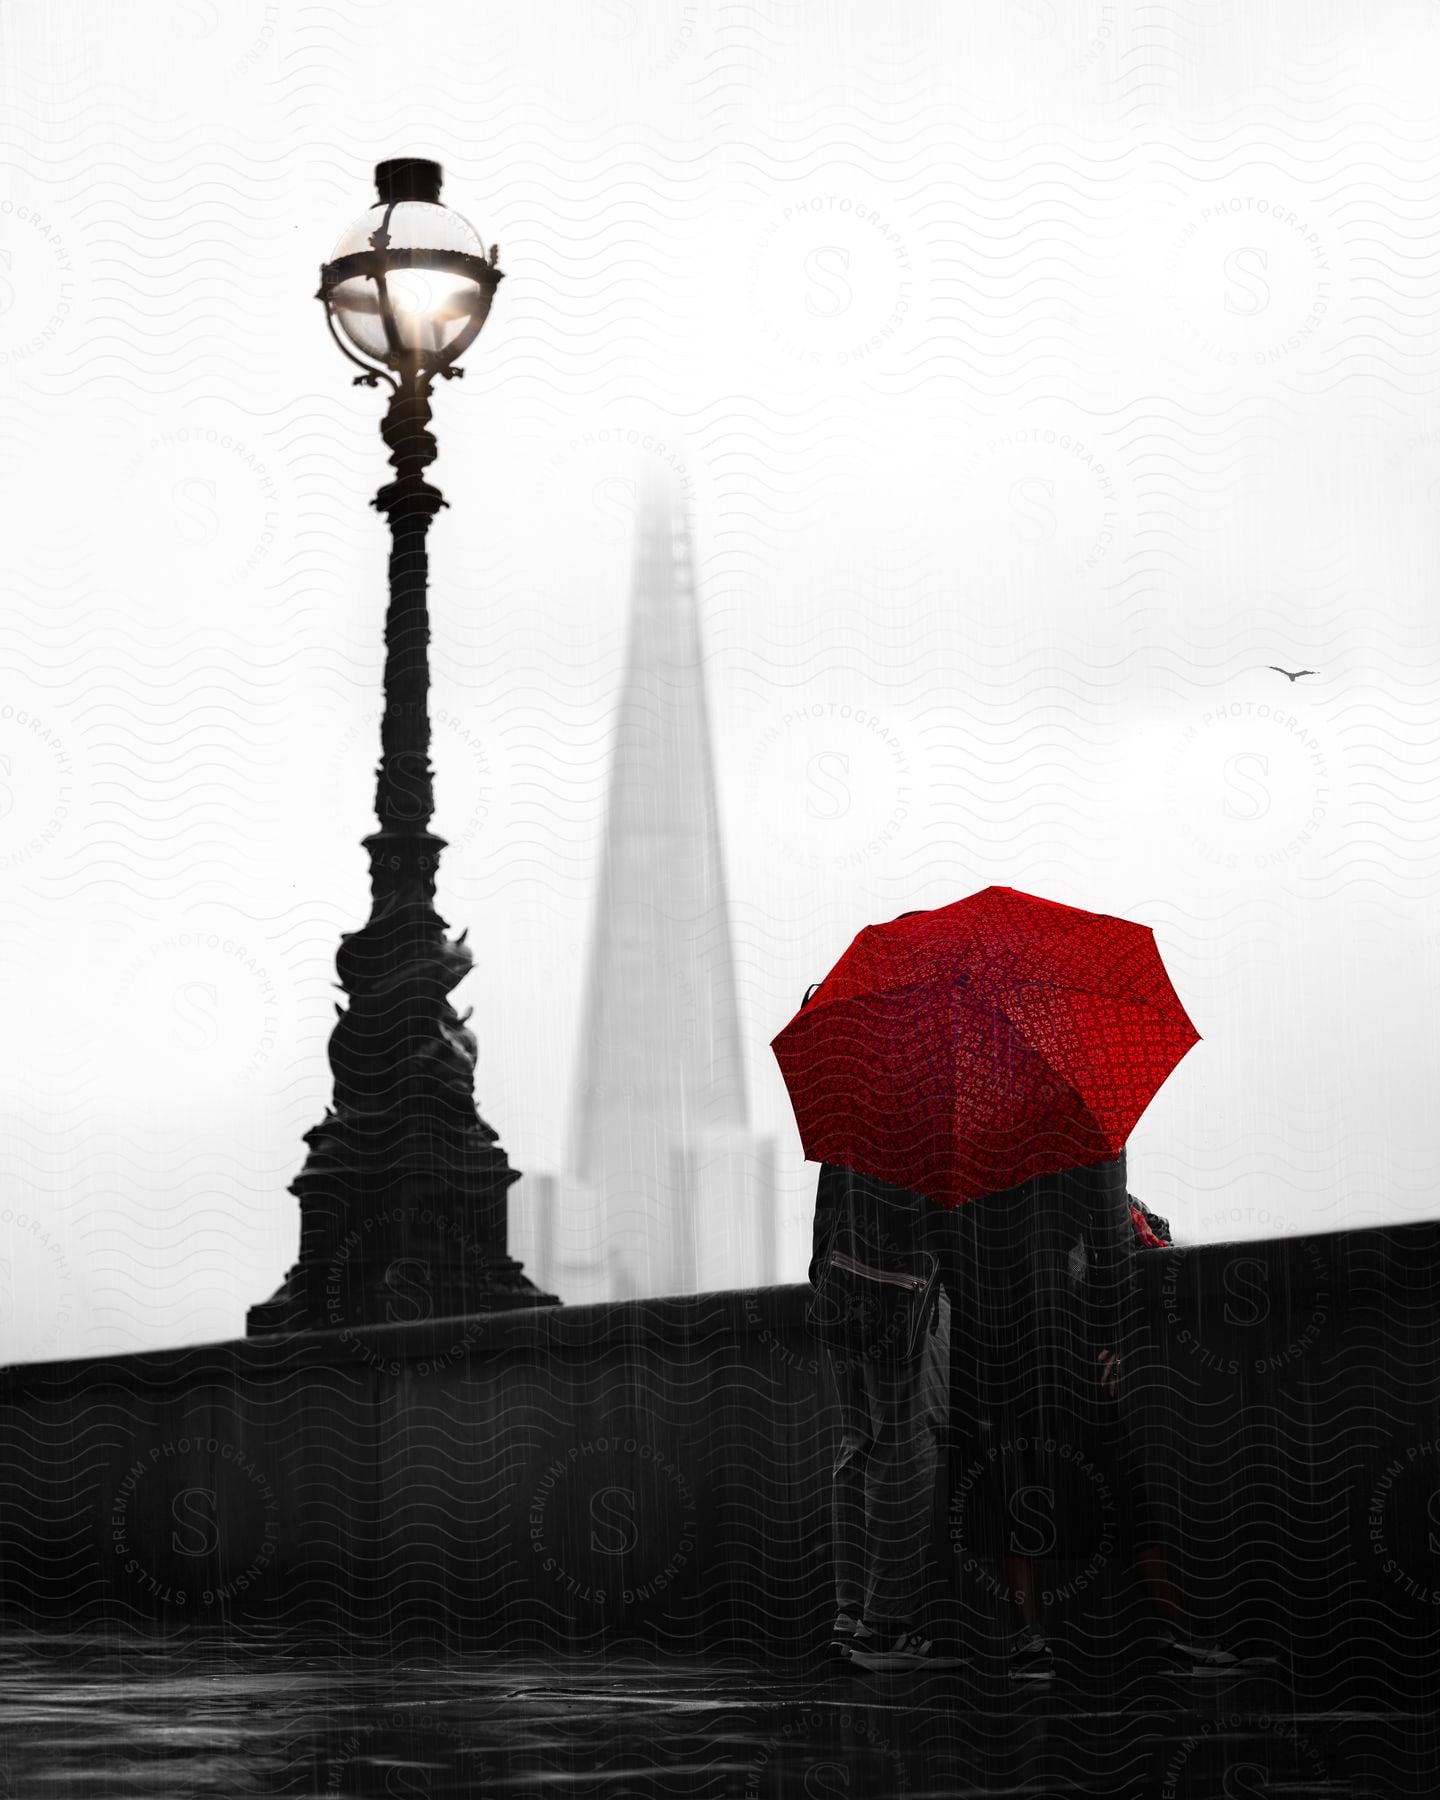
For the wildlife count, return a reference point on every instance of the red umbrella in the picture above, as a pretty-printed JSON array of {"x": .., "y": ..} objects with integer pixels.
[{"x": 962, "y": 1051}]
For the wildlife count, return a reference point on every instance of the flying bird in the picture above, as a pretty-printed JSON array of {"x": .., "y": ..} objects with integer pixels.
[{"x": 1297, "y": 673}]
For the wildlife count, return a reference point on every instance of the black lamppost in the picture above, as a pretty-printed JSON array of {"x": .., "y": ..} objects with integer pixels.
[{"x": 403, "y": 1193}]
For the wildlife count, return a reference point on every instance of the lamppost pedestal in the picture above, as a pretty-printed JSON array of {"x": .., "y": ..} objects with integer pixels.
[{"x": 403, "y": 1192}]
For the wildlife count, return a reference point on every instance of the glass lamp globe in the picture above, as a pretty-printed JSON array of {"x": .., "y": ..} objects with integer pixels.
[{"x": 409, "y": 281}]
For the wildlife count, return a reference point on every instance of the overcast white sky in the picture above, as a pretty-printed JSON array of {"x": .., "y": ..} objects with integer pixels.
[{"x": 1041, "y": 373}]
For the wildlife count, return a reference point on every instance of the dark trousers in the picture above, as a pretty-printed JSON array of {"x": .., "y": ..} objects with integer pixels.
[
  {"x": 1045, "y": 1461},
  {"x": 892, "y": 1420}
]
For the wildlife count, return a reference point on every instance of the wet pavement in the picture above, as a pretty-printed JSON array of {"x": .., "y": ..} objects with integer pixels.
[{"x": 176, "y": 1718}]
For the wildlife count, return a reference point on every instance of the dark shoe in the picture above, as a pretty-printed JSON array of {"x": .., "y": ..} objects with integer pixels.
[
  {"x": 1031, "y": 1658},
  {"x": 899, "y": 1650},
  {"x": 847, "y": 1633},
  {"x": 1184, "y": 1652}
]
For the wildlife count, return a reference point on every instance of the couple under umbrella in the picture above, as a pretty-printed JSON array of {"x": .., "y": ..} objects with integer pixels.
[{"x": 967, "y": 1078}]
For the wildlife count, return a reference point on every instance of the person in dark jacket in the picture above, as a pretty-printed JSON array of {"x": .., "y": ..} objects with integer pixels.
[
  {"x": 1042, "y": 1274},
  {"x": 892, "y": 1420},
  {"x": 1045, "y": 1320},
  {"x": 1039, "y": 1305}
]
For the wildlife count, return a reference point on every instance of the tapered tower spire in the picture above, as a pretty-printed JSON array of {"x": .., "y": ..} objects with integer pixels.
[{"x": 660, "y": 1103}]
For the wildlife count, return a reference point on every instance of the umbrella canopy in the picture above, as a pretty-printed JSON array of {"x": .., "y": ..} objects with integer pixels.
[{"x": 962, "y": 1051}]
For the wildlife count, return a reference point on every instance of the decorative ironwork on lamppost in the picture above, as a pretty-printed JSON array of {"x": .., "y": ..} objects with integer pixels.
[{"x": 403, "y": 1193}]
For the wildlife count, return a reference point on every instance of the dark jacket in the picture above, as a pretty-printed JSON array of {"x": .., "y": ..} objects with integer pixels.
[
  {"x": 1041, "y": 1274},
  {"x": 877, "y": 1221},
  {"x": 878, "y": 1212}
]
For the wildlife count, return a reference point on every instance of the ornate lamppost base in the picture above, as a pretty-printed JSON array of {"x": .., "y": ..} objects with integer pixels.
[
  {"x": 386, "y": 1295},
  {"x": 403, "y": 1192}
]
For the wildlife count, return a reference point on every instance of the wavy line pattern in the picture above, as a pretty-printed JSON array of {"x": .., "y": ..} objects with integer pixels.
[
  {"x": 473, "y": 1507},
  {"x": 1033, "y": 384},
  {"x": 1046, "y": 385}
]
